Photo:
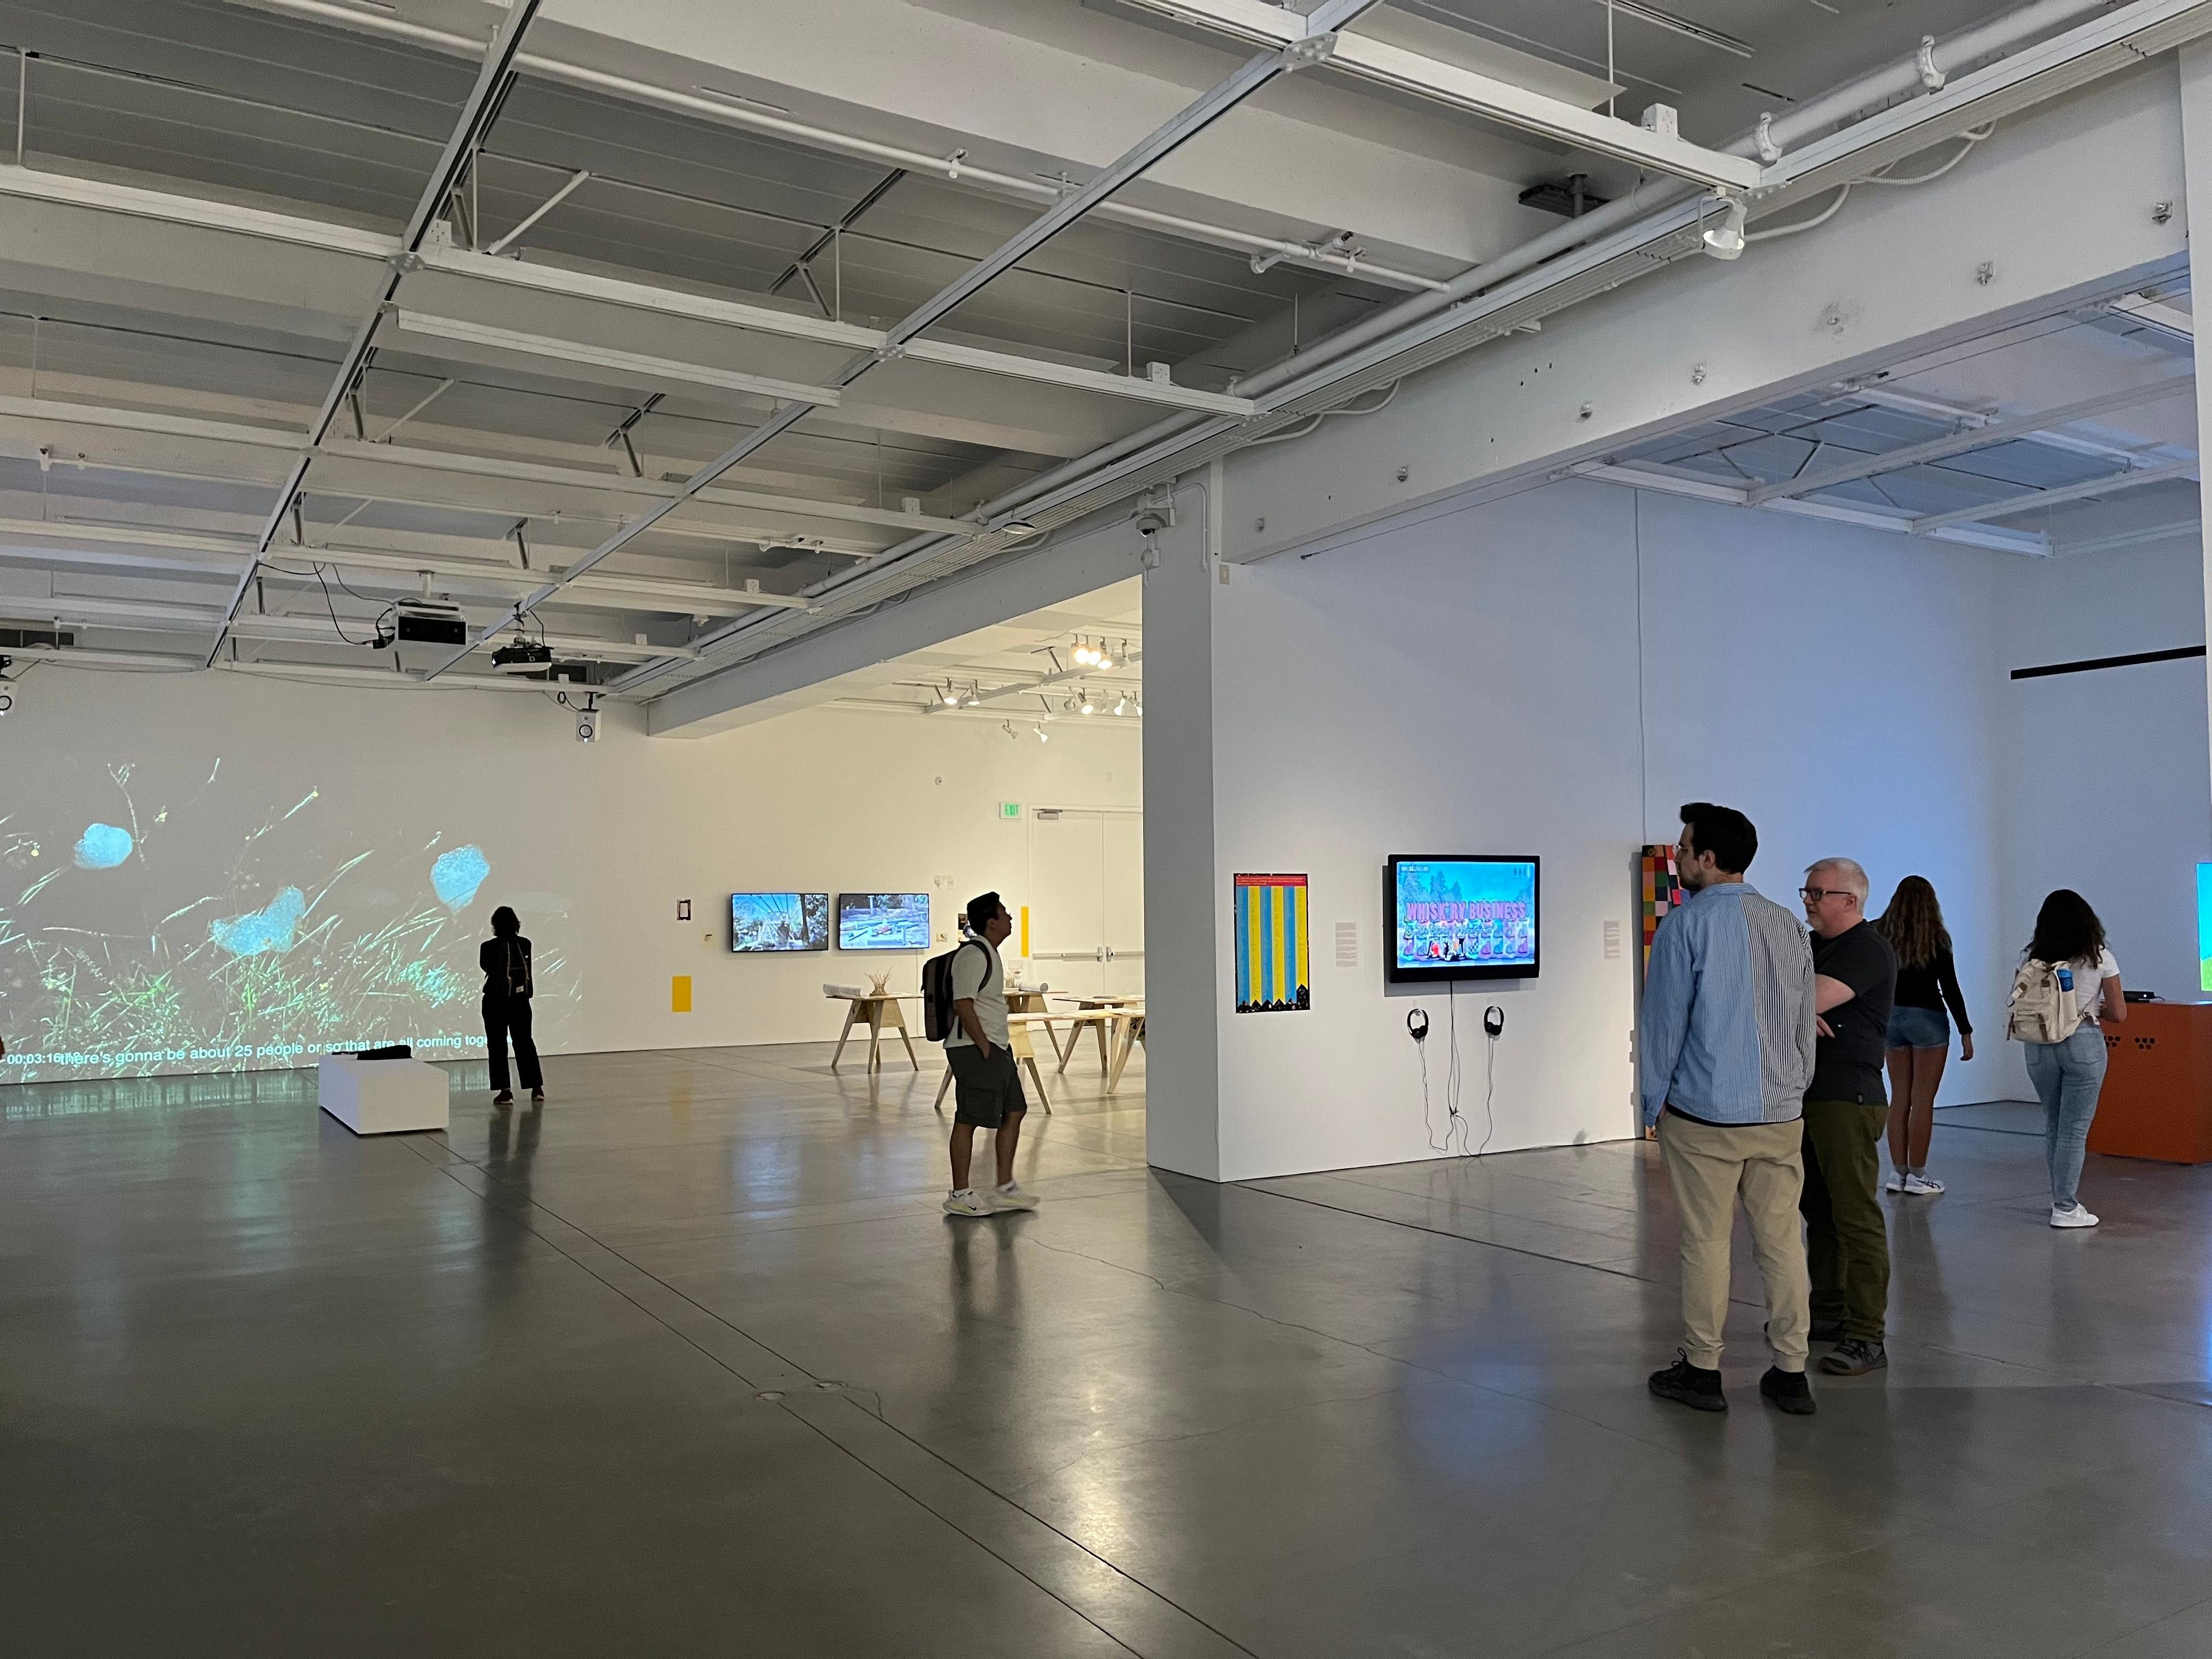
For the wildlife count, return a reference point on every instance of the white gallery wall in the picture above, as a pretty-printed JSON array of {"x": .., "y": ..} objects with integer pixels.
[
  {"x": 283, "y": 866},
  {"x": 2105, "y": 785},
  {"x": 1551, "y": 674}
]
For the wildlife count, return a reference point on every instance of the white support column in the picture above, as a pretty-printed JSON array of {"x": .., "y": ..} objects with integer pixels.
[
  {"x": 1182, "y": 905},
  {"x": 2196, "y": 167}
]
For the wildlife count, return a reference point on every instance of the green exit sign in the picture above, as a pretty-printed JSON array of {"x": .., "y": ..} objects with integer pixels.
[{"x": 1009, "y": 809}]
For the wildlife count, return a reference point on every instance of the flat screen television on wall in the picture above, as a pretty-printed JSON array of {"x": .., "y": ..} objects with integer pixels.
[
  {"x": 779, "y": 922},
  {"x": 1473, "y": 916},
  {"x": 883, "y": 921}
]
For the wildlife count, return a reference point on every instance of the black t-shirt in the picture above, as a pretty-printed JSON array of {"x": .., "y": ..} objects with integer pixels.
[{"x": 1848, "y": 1066}]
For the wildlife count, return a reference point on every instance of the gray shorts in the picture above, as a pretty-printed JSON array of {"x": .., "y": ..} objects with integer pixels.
[{"x": 986, "y": 1091}]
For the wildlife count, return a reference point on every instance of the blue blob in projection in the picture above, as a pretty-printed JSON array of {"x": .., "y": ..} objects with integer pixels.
[
  {"x": 102, "y": 847},
  {"x": 458, "y": 874},
  {"x": 269, "y": 928}
]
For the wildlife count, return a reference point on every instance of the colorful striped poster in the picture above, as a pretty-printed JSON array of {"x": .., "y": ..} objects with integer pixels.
[{"x": 1272, "y": 961}]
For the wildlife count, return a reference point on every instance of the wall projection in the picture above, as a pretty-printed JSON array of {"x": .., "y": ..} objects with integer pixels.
[{"x": 167, "y": 915}]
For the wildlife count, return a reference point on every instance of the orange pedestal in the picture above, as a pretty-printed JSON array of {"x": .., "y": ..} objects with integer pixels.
[{"x": 2157, "y": 1101}]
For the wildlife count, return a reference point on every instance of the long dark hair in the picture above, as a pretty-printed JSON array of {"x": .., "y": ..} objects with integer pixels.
[
  {"x": 1913, "y": 924},
  {"x": 2067, "y": 930},
  {"x": 505, "y": 924}
]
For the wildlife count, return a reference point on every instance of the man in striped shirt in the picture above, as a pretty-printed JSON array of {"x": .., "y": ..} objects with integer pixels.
[{"x": 1725, "y": 1049}]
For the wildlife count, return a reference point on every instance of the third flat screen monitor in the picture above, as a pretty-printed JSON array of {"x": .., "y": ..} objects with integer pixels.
[
  {"x": 883, "y": 921},
  {"x": 1467, "y": 917}
]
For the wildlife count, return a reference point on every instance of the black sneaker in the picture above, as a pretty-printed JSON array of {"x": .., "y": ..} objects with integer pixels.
[
  {"x": 1825, "y": 1330},
  {"x": 1855, "y": 1357},
  {"x": 1692, "y": 1385},
  {"x": 1789, "y": 1390}
]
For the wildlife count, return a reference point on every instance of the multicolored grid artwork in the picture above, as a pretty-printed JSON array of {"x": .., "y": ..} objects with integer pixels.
[
  {"x": 1273, "y": 959},
  {"x": 1662, "y": 891}
]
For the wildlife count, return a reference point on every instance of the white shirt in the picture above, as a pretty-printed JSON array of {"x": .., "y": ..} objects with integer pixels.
[
  {"x": 976, "y": 978},
  {"x": 2089, "y": 983}
]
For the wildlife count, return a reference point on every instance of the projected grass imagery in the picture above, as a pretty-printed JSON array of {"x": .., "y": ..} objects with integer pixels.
[{"x": 139, "y": 937}]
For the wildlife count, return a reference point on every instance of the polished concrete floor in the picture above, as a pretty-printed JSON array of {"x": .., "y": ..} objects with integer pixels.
[{"x": 689, "y": 1362}]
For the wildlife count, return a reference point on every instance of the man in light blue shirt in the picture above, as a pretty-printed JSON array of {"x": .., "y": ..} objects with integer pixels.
[{"x": 1725, "y": 1046}]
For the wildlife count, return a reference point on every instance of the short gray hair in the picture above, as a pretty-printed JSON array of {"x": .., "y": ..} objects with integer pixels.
[{"x": 1848, "y": 871}]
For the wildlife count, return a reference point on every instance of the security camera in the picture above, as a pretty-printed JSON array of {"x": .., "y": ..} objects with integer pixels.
[
  {"x": 1151, "y": 523},
  {"x": 587, "y": 728}
]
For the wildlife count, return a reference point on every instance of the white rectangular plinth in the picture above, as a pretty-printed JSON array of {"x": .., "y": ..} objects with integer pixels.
[{"x": 381, "y": 1096}]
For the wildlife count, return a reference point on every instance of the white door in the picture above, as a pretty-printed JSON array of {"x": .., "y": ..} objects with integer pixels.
[
  {"x": 1087, "y": 902},
  {"x": 1066, "y": 873},
  {"x": 1122, "y": 884}
]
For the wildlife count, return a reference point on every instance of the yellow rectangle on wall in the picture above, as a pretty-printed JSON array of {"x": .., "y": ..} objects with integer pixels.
[
  {"x": 1025, "y": 932},
  {"x": 679, "y": 994}
]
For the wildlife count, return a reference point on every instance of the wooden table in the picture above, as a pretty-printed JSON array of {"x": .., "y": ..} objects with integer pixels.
[
  {"x": 1033, "y": 1002},
  {"x": 882, "y": 1013},
  {"x": 1119, "y": 1007}
]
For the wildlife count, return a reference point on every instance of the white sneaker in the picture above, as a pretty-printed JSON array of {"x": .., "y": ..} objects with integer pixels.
[
  {"x": 1011, "y": 1197},
  {"x": 1920, "y": 1183},
  {"x": 2076, "y": 1217},
  {"x": 967, "y": 1202},
  {"x": 1896, "y": 1182}
]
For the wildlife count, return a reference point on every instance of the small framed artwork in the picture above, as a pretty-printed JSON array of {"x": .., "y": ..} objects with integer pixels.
[{"x": 684, "y": 909}]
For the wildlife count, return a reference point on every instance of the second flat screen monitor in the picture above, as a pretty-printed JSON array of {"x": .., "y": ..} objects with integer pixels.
[
  {"x": 883, "y": 921},
  {"x": 1470, "y": 917}
]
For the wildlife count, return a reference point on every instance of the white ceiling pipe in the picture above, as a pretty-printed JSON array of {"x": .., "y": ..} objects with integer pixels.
[{"x": 950, "y": 169}]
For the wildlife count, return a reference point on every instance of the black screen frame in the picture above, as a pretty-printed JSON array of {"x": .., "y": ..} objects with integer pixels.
[
  {"x": 1392, "y": 973},
  {"x": 802, "y": 894},
  {"x": 837, "y": 925}
]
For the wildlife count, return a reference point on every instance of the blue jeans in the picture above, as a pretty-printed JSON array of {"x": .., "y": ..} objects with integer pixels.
[{"x": 2067, "y": 1077}]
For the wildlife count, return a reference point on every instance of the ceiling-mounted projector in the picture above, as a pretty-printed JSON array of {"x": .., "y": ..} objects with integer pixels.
[{"x": 525, "y": 658}]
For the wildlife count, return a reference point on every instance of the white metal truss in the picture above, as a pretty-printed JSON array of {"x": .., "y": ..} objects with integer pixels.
[
  {"x": 1216, "y": 102},
  {"x": 955, "y": 169},
  {"x": 476, "y": 112},
  {"x": 1381, "y": 63}
]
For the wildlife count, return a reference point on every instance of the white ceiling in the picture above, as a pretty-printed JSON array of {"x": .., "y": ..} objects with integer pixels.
[{"x": 160, "y": 355}]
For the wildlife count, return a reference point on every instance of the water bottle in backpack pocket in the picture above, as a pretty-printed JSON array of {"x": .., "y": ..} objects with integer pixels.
[{"x": 2044, "y": 1007}]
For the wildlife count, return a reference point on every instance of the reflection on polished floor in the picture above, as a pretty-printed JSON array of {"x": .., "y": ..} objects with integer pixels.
[{"x": 689, "y": 1362}]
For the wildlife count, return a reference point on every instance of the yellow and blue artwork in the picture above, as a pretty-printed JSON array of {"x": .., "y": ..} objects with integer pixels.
[{"x": 1273, "y": 959}]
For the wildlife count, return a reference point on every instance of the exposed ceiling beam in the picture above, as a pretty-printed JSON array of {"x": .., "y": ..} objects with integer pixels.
[
  {"x": 1961, "y": 443},
  {"x": 1927, "y": 524},
  {"x": 1381, "y": 63},
  {"x": 955, "y": 168},
  {"x": 805, "y": 326},
  {"x": 617, "y": 592},
  {"x": 379, "y": 454},
  {"x": 649, "y": 371},
  {"x": 1162, "y": 142},
  {"x": 476, "y": 112}
]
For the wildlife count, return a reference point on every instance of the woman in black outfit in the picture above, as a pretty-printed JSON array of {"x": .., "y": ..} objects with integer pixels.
[
  {"x": 505, "y": 957},
  {"x": 1920, "y": 1035}
]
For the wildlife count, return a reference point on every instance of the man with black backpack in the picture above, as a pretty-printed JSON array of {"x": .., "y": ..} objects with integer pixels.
[{"x": 987, "y": 1089}]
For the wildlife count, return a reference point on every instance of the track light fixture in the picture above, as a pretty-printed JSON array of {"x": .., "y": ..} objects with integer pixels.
[
  {"x": 1087, "y": 706},
  {"x": 975, "y": 693},
  {"x": 1725, "y": 240},
  {"x": 948, "y": 697},
  {"x": 1120, "y": 703},
  {"x": 1042, "y": 735}
]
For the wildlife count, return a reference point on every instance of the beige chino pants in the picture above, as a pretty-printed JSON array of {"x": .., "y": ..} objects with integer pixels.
[{"x": 1711, "y": 1165}]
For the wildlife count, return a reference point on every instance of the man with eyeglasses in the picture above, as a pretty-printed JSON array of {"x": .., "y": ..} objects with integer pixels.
[
  {"x": 1724, "y": 1048},
  {"x": 1847, "y": 1107}
]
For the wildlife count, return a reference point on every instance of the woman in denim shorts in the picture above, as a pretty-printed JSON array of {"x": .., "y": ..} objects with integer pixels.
[{"x": 1919, "y": 1033}]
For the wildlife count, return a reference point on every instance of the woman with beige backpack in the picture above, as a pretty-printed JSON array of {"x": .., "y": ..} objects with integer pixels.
[{"x": 2068, "y": 983}]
